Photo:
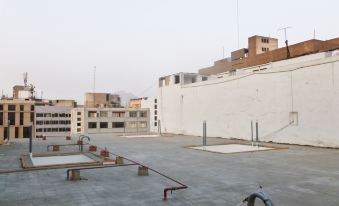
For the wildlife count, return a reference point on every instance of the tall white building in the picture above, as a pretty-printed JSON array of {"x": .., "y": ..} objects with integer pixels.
[
  {"x": 294, "y": 101},
  {"x": 151, "y": 103}
]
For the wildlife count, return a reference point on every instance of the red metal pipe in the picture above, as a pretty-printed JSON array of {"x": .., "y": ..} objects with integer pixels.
[{"x": 182, "y": 186}]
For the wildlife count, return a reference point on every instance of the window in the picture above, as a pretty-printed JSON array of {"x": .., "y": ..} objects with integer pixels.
[
  {"x": 142, "y": 124},
  {"x": 39, "y": 115},
  {"x": 143, "y": 114},
  {"x": 39, "y": 130},
  {"x": 32, "y": 116},
  {"x": 132, "y": 124},
  {"x": 78, "y": 119},
  {"x": 155, "y": 112},
  {"x": 79, "y": 113},
  {"x": 11, "y": 118},
  {"x": 133, "y": 114},
  {"x": 92, "y": 125},
  {"x": 47, "y": 115},
  {"x": 79, "y": 130},
  {"x": 204, "y": 79},
  {"x": 155, "y": 118},
  {"x": 155, "y": 106},
  {"x": 155, "y": 101},
  {"x": 32, "y": 107},
  {"x": 92, "y": 114},
  {"x": 155, "y": 124},
  {"x": 39, "y": 122},
  {"x": 1, "y": 107},
  {"x": 55, "y": 115},
  {"x": 103, "y": 124},
  {"x": 1, "y": 118},
  {"x": 103, "y": 114},
  {"x": 176, "y": 79},
  {"x": 11, "y": 107},
  {"x": 21, "y": 107},
  {"x": 79, "y": 124},
  {"x": 118, "y": 124},
  {"x": 21, "y": 118},
  {"x": 118, "y": 114}
]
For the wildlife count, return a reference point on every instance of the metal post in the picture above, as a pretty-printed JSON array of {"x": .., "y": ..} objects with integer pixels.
[
  {"x": 159, "y": 127},
  {"x": 30, "y": 140},
  {"x": 257, "y": 132},
  {"x": 204, "y": 133},
  {"x": 252, "y": 132},
  {"x": 8, "y": 127}
]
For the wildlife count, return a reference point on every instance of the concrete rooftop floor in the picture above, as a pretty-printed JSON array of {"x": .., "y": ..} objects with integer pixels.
[{"x": 295, "y": 176}]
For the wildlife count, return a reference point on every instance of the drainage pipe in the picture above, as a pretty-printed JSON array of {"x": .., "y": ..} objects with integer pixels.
[
  {"x": 182, "y": 186},
  {"x": 259, "y": 195},
  {"x": 96, "y": 167}
]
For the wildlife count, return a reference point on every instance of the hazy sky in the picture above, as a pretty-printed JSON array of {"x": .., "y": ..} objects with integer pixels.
[{"x": 133, "y": 42}]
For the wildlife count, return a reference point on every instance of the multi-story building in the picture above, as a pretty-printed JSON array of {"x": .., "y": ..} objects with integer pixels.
[
  {"x": 151, "y": 103},
  {"x": 16, "y": 119},
  {"x": 109, "y": 120},
  {"x": 53, "y": 121},
  {"x": 102, "y": 100}
]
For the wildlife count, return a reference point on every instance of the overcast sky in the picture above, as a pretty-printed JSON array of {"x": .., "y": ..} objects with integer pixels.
[{"x": 133, "y": 42}]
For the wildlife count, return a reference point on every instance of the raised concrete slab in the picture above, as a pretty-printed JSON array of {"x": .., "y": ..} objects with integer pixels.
[
  {"x": 232, "y": 148},
  {"x": 66, "y": 159}
]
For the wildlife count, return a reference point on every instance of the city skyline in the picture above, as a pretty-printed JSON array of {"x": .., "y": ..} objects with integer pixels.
[{"x": 133, "y": 43}]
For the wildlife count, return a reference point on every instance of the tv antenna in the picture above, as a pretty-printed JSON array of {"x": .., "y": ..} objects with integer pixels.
[
  {"x": 286, "y": 41},
  {"x": 25, "y": 78}
]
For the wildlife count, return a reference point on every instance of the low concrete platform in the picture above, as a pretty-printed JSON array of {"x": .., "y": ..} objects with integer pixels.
[
  {"x": 295, "y": 176},
  {"x": 232, "y": 148}
]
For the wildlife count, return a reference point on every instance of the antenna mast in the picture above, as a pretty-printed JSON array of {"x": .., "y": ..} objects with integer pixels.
[{"x": 286, "y": 41}]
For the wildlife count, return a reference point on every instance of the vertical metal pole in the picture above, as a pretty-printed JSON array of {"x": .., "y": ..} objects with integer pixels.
[
  {"x": 159, "y": 127},
  {"x": 257, "y": 132},
  {"x": 8, "y": 127},
  {"x": 204, "y": 133},
  {"x": 30, "y": 140},
  {"x": 252, "y": 132}
]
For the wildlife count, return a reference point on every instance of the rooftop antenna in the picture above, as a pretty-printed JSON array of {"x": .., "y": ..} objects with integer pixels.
[
  {"x": 25, "y": 78},
  {"x": 286, "y": 41},
  {"x": 238, "y": 24}
]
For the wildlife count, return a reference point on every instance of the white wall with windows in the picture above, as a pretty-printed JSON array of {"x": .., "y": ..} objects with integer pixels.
[
  {"x": 109, "y": 120},
  {"x": 53, "y": 120}
]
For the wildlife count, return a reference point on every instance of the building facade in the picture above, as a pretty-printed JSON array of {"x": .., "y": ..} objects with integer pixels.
[
  {"x": 16, "y": 119},
  {"x": 295, "y": 101},
  {"x": 151, "y": 103},
  {"x": 109, "y": 120},
  {"x": 53, "y": 121}
]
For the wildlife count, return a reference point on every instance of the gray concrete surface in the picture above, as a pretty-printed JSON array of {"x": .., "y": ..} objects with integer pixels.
[{"x": 294, "y": 176}]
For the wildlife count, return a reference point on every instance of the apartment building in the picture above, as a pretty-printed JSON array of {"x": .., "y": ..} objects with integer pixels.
[
  {"x": 53, "y": 121},
  {"x": 16, "y": 119},
  {"x": 109, "y": 120}
]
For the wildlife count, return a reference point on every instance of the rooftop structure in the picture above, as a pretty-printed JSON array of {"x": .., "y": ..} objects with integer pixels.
[
  {"x": 263, "y": 50},
  {"x": 102, "y": 100}
]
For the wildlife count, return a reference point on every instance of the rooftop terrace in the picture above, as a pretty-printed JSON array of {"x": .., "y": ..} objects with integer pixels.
[{"x": 295, "y": 176}]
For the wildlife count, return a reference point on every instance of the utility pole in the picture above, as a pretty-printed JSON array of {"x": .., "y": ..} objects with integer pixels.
[{"x": 286, "y": 41}]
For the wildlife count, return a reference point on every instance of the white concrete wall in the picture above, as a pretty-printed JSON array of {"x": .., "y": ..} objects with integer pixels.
[
  {"x": 307, "y": 85},
  {"x": 150, "y": 104}
]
